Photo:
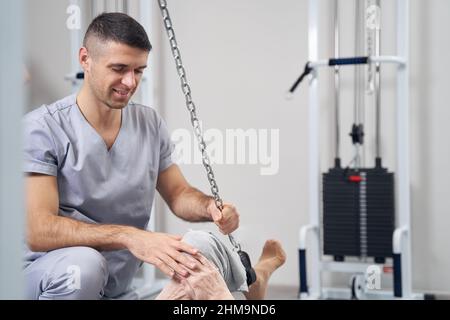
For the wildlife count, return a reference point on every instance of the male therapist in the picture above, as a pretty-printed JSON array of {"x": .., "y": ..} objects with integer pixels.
[{"x": 93, "y": 161}]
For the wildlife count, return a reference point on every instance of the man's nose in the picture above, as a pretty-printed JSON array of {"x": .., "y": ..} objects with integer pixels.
[{"x": 129, "y": 79}]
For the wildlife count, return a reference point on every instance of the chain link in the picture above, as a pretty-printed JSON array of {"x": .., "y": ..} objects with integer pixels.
[{"x": 192, "y": 111}]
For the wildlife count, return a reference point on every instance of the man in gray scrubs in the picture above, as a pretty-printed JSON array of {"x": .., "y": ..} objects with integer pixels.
[{"x": 93, "y": 161}]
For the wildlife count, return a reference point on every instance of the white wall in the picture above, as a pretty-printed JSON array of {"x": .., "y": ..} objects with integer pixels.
[
  {"x": 241, "y": 57},
  {"x": 429, "y": 143}
]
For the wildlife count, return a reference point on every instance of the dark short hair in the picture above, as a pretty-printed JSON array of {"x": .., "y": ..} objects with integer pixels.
[{"x": 118, "y": 27}]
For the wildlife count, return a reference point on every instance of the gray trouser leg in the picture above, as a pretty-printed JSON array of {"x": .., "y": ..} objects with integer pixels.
[
  {"x": 226, "y": 260},
  {"x": 68, "y": 273}
]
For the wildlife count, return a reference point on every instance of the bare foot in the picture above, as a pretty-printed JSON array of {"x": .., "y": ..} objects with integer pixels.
[{"x": 272, "y": 257}]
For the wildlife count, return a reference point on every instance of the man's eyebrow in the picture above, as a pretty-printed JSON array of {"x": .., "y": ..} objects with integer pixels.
[
  {"x": 121, "y": 65},
  {"x": 117, "y": 65}
]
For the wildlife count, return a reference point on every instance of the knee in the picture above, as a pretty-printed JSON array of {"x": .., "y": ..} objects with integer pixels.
[
  {"x": 208, "y": 245},
  {"x": 201, "y": 240},
  {"x": 84, "y": 277},
  {"x": 88, "y": 267}
]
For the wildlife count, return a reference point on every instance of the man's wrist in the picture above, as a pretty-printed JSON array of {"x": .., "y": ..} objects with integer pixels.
[
  {"x": 125, "y": 236},
  {"x": 210, "y": 204}
]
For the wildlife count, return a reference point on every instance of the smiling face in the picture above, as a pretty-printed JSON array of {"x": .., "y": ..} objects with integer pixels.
[{"x": 112, "y": 71}]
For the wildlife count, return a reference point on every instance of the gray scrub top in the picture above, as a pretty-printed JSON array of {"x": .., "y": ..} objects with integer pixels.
[{"x": 96, "y": 185}]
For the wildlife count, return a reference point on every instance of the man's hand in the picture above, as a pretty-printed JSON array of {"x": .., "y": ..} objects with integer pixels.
[
  {"x": 227, "y": 220},
  {"x": 164, "y": 251}
]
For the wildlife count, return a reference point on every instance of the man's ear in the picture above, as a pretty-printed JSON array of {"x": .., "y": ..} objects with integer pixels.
[{"x": 84, "y": 59}]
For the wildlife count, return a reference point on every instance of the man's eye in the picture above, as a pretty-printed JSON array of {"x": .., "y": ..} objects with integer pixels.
[
  {"x": 117, "y": 69},
  {"x": 139, "y": 72}
]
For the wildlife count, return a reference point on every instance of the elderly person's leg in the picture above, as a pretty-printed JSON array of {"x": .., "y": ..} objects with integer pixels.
[
  {"x": 272, "y": 257},
  {"x": 219, "y": 271},
  {"x": 205, "y": 284},
  {"x": 68, "y": 273},
  {"x": 226, "y": 260}
]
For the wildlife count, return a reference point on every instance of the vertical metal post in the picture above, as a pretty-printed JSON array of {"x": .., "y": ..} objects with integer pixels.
[
  {"x": 358, "y": 108},
  {"x": 125, "y": 6},
  {"x": 98, "y": 7},
  {"x": 313, "y": 151},
  {"x": 75, "y": 44},
  {"x": 336, "y": 79},
  {"x": 378, "y": 85},
  {"x": 11, "y": 183},
  {"x": 358, "y": 52},
  {"x": 121, "y": 6},
  {"x": 403, "y": 180}
]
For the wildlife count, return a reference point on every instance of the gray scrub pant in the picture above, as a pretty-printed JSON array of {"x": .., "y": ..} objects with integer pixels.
[{"x": 82, "y": 272}]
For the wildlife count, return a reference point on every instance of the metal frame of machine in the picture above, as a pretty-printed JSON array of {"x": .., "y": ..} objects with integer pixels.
[{"x": 311, "y": 284}]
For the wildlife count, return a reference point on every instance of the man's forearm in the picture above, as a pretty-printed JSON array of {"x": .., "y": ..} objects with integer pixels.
[
  {"x": 54, "y": 232},
  {"x": 191, "y": 205}
]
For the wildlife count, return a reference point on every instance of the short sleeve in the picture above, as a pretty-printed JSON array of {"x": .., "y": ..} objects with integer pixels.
[
  {"x": 39, "y": 148},
  {"x": 166, "y": 147}
]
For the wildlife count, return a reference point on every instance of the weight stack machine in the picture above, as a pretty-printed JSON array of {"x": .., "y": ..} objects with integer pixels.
[
  {"x": 366, "y": 216},
  {"x": 358, "y": 213}
]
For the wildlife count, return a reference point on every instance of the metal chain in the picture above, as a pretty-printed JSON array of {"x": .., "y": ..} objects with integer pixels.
[{"x": 192, "y": 111}]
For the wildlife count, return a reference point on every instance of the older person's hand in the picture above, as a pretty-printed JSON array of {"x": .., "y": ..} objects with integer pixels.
[{"x": 205, "y": 282}]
